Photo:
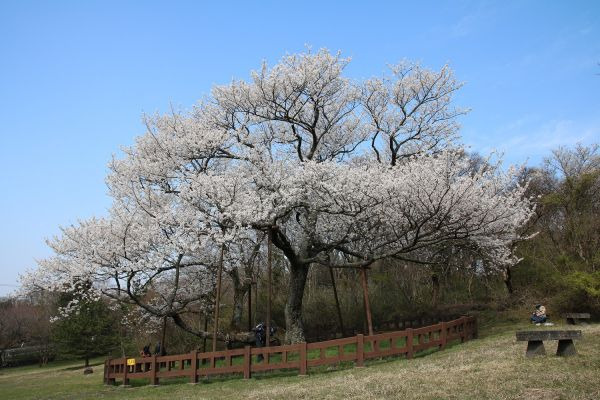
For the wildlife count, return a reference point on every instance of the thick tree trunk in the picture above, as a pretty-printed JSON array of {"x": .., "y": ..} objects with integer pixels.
[
  {"x": 298, "y": 275},
  {"x": 293, "y": 308},
  {"x": 87, "y": 361},
  {"x": 238, "y": 308},
  {"x": 239, "y": 293},
  {"x": 241, "y": 337}
]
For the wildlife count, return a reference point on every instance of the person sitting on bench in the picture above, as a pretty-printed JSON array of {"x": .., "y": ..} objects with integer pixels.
[{"x": 539, "y": 315}]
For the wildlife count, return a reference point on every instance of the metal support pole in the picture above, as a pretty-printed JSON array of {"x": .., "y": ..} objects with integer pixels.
[
  {"x": 366, "y": 298},
  {"x": 250, "y": 307},
  {"x": 269, "y": 289},
  {"x": 163, "y": 337},
  {"x": 205, "y": 330},
  {"x": 218, "y": 300},
  {"x": 337, "y": 302}
]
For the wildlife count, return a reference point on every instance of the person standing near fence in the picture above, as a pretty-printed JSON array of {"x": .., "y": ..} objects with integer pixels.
[{"x": 160, "y": 350}]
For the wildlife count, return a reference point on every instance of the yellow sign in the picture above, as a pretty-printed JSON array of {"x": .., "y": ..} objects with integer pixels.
[{"x": 131, "y": 361}]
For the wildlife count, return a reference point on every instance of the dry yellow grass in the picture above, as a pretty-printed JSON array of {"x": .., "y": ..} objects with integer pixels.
[{"x": 491, "y": 368}]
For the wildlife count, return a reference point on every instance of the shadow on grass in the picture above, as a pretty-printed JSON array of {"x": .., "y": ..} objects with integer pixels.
[
  {"x": 76, "y": 367},
  {"x": 60, "y": 365}
]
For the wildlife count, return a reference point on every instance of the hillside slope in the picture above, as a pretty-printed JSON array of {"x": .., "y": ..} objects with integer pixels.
[{"x": 493, "y": 367}]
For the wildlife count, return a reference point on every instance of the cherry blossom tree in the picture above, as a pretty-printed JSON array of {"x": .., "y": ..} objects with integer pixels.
[
  {"x": 161, "y": 266},
  {"x": 131, "y": 258},
  {"x": 332, "y": 169}
]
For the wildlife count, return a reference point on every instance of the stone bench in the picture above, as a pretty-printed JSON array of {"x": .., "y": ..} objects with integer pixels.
[
  {"x": 535, "y": 341},
  {"x": 574, "y": 318}
]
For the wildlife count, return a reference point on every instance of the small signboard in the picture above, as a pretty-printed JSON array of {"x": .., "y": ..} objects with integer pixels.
[{"x": 131, "y": 361}]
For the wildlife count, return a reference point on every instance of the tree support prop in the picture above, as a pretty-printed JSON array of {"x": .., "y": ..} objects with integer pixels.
[
  {"x": 366, "y": 298},
  {"x": 218, "y": 300}
]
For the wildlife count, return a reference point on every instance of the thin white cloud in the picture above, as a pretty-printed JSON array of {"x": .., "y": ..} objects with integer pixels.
[{"x": 524, "y": 139}]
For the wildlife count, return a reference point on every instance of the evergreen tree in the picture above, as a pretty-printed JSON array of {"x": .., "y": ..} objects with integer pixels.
[{"x": 85, "y": 327}]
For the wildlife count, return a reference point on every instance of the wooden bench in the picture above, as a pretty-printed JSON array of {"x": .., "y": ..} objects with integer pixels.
[
  {"x": 535, "y": 341},
  {"x": 574, "y": 318}
]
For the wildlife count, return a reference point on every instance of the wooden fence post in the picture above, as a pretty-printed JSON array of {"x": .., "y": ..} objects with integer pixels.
[
  {"x": 303, "y": 359},
  {"x": 443, "y": 334},
  {"x": 105, "y": 379},
  {"x": 109, "y": 380},
  {"x": 463, "y": 325},
  {"x": 194, "y": 361},
  {"x": 360, "y": 350},
  {"x": 153, "y": 370},
  {"x": 125, "y": 371},
  {"x": 409, "y": 343},
  {"x": 247, "y": 363}
]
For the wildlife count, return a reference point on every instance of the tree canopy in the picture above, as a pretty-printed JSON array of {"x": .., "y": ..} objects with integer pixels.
[{"x": 338, "y": 172}]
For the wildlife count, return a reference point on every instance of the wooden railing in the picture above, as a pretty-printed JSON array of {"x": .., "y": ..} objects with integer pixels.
[
  {"x": 389, "y": 325},
  {"x": 298, "y": 356}
]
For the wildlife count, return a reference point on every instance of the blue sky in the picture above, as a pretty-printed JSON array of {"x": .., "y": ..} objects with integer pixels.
[{"x": 76, "y": 76}]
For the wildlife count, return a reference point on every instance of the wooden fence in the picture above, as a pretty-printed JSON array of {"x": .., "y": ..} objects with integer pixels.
[
  {"x": 300, "y": 356},
  {"x": 395, "y": 324}
]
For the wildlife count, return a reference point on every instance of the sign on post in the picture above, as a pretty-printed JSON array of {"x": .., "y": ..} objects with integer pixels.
[{"x": 131, "y": 361}]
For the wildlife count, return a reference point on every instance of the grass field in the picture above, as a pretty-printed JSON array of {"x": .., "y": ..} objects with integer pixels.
[{"x": 493, "y": 367}]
